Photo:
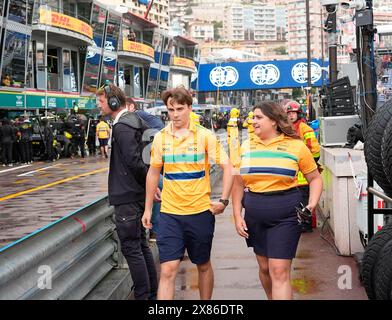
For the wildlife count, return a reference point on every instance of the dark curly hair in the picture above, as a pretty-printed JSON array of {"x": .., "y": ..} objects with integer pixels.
[{"x": 275, "y": 112}]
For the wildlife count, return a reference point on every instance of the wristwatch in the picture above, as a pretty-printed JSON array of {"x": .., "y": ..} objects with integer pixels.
[{"x": 224, "y": 201}]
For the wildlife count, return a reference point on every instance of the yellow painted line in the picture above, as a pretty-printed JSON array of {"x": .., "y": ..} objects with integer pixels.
[
  {"x": 14, "y": 195},
  {"x": 20, "y": 181}
]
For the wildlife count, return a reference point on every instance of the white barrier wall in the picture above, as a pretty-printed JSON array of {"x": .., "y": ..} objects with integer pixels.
[{"x": 338, "y": 199}]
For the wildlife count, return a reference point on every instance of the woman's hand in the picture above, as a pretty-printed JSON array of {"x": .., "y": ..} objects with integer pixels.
[{"x": 241, "y": 227}]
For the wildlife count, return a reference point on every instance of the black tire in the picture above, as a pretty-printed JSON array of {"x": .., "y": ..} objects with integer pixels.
[
  {"x": 373, "y": 142},
  {"x": 371, "y": 256},
  {"x": 386, "y": 151},
  {"x": 383, "y": 274}
]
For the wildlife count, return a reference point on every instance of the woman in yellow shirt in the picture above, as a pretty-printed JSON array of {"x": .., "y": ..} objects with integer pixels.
[{"x": 266, "y": 188}]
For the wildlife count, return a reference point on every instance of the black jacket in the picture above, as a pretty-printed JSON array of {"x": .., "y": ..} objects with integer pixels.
[
  {"x": 127, "y": 173},
  {"x": 7, "y": 134}
]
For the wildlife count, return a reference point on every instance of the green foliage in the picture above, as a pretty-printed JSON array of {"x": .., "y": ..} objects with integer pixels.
[
  {"x": 297, "y": 93},
  {"x": 280, "y": 50}
]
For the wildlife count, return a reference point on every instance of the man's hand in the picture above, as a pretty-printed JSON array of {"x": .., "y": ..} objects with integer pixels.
[
  {"x": 157, "y": 196},
  {"x": 217, "y": 207},
  {"x": 241, "y": 227},
  {"x": 146, "y": 220}
]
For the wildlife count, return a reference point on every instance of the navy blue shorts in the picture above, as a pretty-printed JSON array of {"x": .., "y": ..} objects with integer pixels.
[
  {"x": 191, "y": 232},
  {"x": 272, "y": 223},
  {"x": 103, "y": 142}
]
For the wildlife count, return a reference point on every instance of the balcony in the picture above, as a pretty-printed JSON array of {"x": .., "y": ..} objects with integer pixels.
[
  {"x": 182, "y": 64},
  {"x": 65, "y": 28},
  {"x": 136, "y": 51}
]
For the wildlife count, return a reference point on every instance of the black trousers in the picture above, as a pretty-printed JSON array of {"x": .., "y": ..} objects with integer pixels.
[
  {"x": 27, "y": 152},
  {"x": 91, "y": 145},
  {"x": 7, "y": 152},
  {"x": 80, "y": 144},
  {"x": 49, "y": 150},
  {"x": 135, "y": 248}
]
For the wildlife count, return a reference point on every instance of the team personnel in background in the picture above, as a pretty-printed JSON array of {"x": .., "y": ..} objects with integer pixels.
[
  {"x": 269, "y": 166},
  {"x": 103, "y": 134},
  {"x": 195, "y": 117},
  {"x": 26, "y": 132},
  {"x": 308, "y": 136},
  {"x": 91, "y": 137},
  {"x": 7, "y": 137},
  {"x": 48, "y": 139},
  {"x": 183, "y": 149},
  {"x": 127, "y": 182},
  {"x": 248, "y": 123},
  {"x": 233, "y": 138},
  {"x": 79, "y": 136}
]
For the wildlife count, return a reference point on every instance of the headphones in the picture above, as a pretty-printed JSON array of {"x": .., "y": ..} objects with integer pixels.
[{"x": 113, "y": 101}]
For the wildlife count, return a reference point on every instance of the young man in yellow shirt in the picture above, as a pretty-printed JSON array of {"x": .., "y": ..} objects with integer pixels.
[
  {"x": 187, "y": 220},
  {"x": 103, "y": 134}
]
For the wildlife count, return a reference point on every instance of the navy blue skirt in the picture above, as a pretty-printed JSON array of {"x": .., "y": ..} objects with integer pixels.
[{"x": 272, "y": 223}]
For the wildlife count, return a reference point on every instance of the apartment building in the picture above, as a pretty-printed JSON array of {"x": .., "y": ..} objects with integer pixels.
[
  {"x": 159, "y": 12},
  {"x": 249, "y": 22},
  {"x": 296, "y": 23}
]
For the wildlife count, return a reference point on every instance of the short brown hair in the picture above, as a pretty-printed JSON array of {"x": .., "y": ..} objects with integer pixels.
[
  {"x": 114, "y": 92},
  {"x": 276, "y": 112},
  {"x": 179, "y": 95}
]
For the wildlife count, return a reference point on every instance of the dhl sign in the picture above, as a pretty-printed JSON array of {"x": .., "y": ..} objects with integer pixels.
[
  {"x": 138, "y": 47},
  {"x": 59, "y": 20},
  {"x": 183, "y": 62}
]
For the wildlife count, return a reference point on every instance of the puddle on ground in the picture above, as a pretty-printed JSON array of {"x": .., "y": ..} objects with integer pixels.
[
  {"x": 304, "y": 254},
  {"x": 304, "y": 285}
]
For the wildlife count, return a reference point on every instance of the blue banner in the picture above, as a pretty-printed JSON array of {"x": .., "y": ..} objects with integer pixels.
[
  {"x": 145, "y": 2},
  {"x": 194, "y": 77},
  {"x": 260, "y": 75}
]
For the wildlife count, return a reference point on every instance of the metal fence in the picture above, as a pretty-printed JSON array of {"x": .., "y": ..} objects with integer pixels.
[{"x": 65, "y": 260}]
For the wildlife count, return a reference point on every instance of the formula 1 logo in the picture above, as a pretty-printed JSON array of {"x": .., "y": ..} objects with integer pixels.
[
  {"x": 136, "y": 79},
  {"x": 109, "y": 47},
  {"x": 300, "y": 72},
  {"x": 264, "y": 74},
  {"x": 224, "y": 76}
]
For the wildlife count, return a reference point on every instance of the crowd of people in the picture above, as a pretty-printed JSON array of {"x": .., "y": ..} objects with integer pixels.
[
  {"x": 27, "y": 139},
  {"x": 265, "y": 186}
]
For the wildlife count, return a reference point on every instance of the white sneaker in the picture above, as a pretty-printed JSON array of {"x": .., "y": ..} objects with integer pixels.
[{"x": 10, "y": 165}]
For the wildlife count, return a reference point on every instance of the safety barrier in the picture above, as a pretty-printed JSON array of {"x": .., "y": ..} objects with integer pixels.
[{"x": 64, "y": 260}]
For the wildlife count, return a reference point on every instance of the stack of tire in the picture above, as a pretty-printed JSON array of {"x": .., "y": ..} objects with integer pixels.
[{"x": 377, "y": 259}]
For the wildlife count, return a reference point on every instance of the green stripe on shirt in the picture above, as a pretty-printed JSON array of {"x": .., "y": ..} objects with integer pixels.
[
  {"x": 269, "y": 154},
  {"x": 178, "y": 158}
]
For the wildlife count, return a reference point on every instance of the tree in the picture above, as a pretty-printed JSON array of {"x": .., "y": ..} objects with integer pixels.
[
  {"x": 280, "y": 50},
  {"x": 297, "y": 93},
  {"x": 217, "y": 25},
  {"x": 188, "y": 11}
]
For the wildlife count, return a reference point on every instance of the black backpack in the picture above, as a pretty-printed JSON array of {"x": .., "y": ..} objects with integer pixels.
[{"x": 145, "y": 134}]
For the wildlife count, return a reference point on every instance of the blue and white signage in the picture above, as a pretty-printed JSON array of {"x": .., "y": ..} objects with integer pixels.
[{"x": 259, "y": 75}]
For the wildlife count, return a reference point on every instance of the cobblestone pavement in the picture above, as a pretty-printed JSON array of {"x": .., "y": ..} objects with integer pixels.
[{"x": 33, "y": 196}]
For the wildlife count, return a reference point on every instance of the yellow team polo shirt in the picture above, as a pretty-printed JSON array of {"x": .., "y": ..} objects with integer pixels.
[
  {"x": 103, "y": 130},
  {"x": 185, "y": 160},
  {"x": 274, "y": 166}
]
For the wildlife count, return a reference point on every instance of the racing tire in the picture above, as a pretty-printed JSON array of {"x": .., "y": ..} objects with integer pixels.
[
  {"x": 371, "y": 258},
  {"x": 386, "y": 151},
  {"x": 373, "y": 143},
  {"x": 383, "y": 274}
]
